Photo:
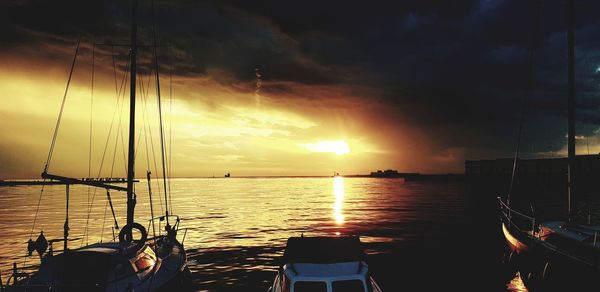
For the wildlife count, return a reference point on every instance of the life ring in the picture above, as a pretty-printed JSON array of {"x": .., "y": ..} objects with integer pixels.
[{"x": 124, "y": 241}]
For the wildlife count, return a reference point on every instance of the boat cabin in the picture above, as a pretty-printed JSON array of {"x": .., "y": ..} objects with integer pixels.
[{"x": 324, "y": 264}]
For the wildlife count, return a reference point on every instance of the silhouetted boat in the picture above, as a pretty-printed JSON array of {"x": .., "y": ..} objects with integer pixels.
[
  {"x": 560, "y": 254},
  {"x": 324, "y": 264},
  {"x": 147, "y": 263}
]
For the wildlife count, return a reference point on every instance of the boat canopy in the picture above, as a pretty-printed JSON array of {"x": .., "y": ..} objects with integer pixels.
[{"x": 323, "y": 250}]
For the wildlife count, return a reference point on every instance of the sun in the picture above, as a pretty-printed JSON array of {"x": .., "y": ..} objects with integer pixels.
[{"x": 339, "y": 147}]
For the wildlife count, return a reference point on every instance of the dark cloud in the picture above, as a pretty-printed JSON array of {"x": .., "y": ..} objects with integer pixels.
[{"x": 456, "y": 69}]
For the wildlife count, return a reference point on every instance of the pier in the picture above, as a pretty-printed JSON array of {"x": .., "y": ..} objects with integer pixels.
[{"x": 539, "y": 186}]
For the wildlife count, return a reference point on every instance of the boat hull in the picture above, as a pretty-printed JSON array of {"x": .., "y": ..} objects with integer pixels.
[
  {"x": 75, "y": 270},
  {"x": 543, "y": 269},
  {"x": 516, "y": 242}
]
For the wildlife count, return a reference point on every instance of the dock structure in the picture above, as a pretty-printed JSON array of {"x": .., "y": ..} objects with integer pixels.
[
  {"x": 585, "y": 165},
  {"x": 552, "y": 171},
  {"x": 536, "y": 181}
]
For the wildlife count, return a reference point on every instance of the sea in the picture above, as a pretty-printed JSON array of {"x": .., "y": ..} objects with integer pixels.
[{"x": 418, "y": 235}]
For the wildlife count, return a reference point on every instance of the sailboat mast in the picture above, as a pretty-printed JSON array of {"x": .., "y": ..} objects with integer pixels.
[
  {"x": 132, "y": 87},
  {"x": 571, "y": 102}
]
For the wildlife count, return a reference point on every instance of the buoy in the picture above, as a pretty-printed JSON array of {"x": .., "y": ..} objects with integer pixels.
[{"x": 125, "y": 239}]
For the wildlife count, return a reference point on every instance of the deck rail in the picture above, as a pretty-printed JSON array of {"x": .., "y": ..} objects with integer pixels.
[{"x": 517, "y": 220}]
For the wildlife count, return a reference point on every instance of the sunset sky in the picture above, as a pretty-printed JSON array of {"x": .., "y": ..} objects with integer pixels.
[{"x": 294, "y": 88}]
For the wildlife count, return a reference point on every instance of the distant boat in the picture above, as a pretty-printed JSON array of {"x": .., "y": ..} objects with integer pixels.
[
  {"x": 563, "y": 253},
  {"x": 147, "y": 263},
  {"x": 324, "y": 264}
]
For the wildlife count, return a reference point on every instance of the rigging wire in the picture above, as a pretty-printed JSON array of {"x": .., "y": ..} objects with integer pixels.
[
  {"x": 158, "y": 95},
  {"x": 118, "y": 91},
  {"x": 147, "y": 120},
  {"x": 587, "y": 143},
  {"x": 148, "y": 172},
  {"x": 62, "y": 107},
  {"x": 530, "y": 86},
  {"x": 119, "y": 134},
  {"x": 587, "y": 67},
  {"x": 53, "y": 143},
  {"x": 144, "y": 91},
  {"x": 91, "y": 121},
  {"x": 169, "y": 160}
]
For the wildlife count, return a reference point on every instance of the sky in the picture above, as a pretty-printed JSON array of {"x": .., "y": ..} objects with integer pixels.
[{"x": 293, "y": 88}]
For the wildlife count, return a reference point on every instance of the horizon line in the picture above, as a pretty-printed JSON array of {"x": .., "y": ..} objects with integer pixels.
[{"x": 259, "y": 176}]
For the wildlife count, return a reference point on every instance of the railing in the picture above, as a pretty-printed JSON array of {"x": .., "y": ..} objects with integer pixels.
[
  {"x": 517, "y": 220},
  {"x": 175, "y": 225},
  {"x": 161, "y": 219}
]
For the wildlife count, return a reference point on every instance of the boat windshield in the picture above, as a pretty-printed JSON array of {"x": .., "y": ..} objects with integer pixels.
[
  {"x": 310, "y": 286},
  {"x": 348, "y": 286}
]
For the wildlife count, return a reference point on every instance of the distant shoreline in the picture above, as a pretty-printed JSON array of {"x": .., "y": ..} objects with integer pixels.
[{"x": 407, "y": 177}]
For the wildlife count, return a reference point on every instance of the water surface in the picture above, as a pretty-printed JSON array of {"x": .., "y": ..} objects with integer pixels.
[{"x": 415, "y": 233}]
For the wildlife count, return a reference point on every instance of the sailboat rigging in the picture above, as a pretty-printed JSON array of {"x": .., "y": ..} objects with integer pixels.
[
  {"x": 561, "y": 253},
  {"x": 141, "y": 264}
]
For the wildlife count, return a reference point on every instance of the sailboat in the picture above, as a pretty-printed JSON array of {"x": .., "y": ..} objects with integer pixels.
[
  {"x": 561, "y": 254},
  {"x": 145, "y": 263}
]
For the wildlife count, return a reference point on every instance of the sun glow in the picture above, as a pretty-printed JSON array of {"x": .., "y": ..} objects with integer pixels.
[
  {"x": 232, "y": 135},
  {"x": 339, "y": 147}
]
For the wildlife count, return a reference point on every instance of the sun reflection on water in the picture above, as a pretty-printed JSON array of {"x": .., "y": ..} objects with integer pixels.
[
  {"x": 516, "y": 284},
  {"x": 338, "y": 191}
]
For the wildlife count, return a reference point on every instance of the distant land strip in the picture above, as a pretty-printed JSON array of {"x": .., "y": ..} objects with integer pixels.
[{"x": 405, "y": 176}]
